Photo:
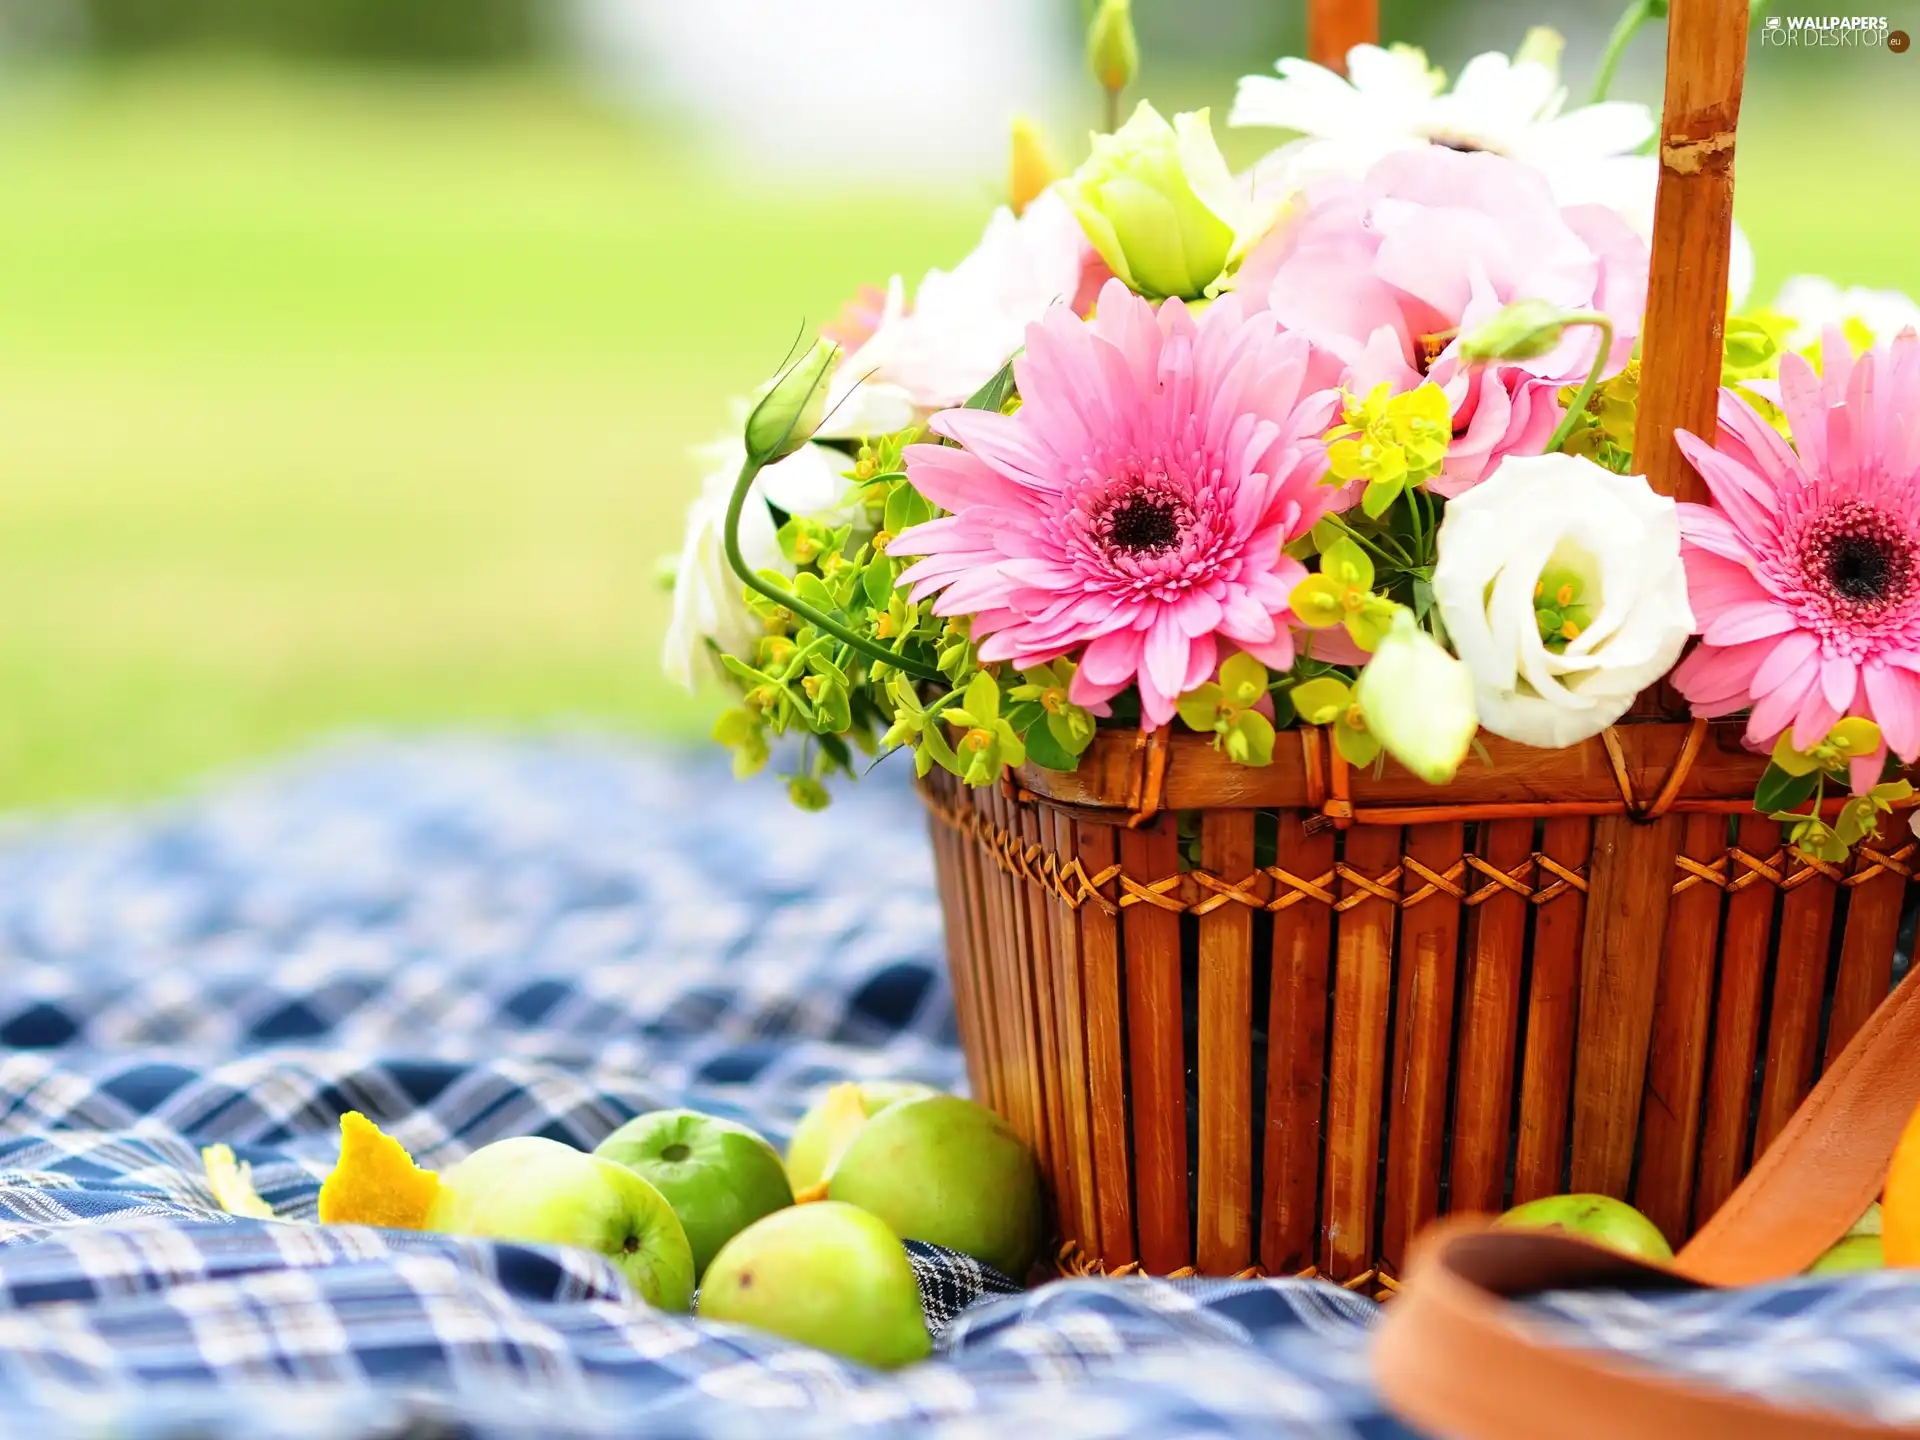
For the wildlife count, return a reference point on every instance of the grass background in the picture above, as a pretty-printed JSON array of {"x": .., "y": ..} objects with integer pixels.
[{"x": 332, "y": 399}]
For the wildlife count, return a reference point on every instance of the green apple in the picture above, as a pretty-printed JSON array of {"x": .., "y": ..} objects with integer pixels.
[
  {"x": 718, "y": 1176},
  {"x": 1867, "y": 1224},
  {"x": 826, "y": 1129},
  {"x": 547, "y": 1193},
  {"x": 949, "y": 1172},
  {"x": 826, "y": 1275},
  {"x": 1599, "y": 1218},
  {"x": 1850, "y": 1256}
]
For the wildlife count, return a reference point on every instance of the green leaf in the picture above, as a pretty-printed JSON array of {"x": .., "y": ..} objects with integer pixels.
[
  {"x": 1369, "y": 626},
  {"x": 1199, "y": 708},
  {"x": 993, "y": 395},
  {"x": 1243, "y": 678},
  {"x": 835, "y": 750},
  {"x": 1320, "y": 702},
  {"x": 1780, "y": 790},
  {"x": 1379, "y": 496},
  {"x": 1045, "y": 750},
  {"x": 1326, "y": 534},
  {"x": 833, "y": 710},
  {"x": 1250, "y": 741},
  {"x": 813, "y": 590},
  {"x": 935, "y": 744},
  {"x": 1073, "y": 732},
  {"x": 1422, "y": 598},
  {"x": 819, "y": 663},
  {"x": 1858, "y": 819},
  {"x": 877, "y": 582},
  {"x": 736, "y": 727},
  {"x": 1283, "y": 712},
  {"x": 900, "y": 690},
  {"x": 1790, "y": 760},
  {"x": 787, "y": 536},
  {"x": 983, "y": 699},
  {"x": 1346, "y": 564},
  {"x": 750, "y": 759},
  {"x": 1316, "y": 602},
  {"x": 807, "y": 793},
  {"x": 1025, "y": 715},
  {"x": 906, "y": 507},
  {"x": 1855, "y": 736},
  {"x": 1013, "y": 750},
  {"x": 742, "y": 671},
  {"x": 1357, "y": 747}
]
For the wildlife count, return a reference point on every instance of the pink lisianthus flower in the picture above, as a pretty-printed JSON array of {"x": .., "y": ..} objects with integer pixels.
[
  {"x": 1133, "y": 511},
  {"x": 1384, "y": 272},
  {"x": 1804, "y": 574}
]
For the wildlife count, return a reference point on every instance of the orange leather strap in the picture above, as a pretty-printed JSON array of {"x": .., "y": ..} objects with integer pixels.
[
  {"x": 1457, "y": 1359},
  {"x": 1827, "y": 1165}
]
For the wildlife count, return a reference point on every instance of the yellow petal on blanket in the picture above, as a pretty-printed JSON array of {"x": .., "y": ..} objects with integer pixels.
[
  {"x": 376, "y": 1181},
  {"x": 232, "y": 1182}
]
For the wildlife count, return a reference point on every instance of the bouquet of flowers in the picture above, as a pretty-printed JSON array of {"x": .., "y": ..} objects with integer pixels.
[{"x": 1344, "y": 441}]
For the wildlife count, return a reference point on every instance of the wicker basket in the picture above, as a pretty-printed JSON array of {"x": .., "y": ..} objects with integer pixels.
[{"x": 1275, "y": 1020}]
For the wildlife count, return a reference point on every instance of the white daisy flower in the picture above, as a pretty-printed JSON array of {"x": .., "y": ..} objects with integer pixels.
[
  {"x": 1392, "y": 99},
  {"x": 1813, "y": 302}
]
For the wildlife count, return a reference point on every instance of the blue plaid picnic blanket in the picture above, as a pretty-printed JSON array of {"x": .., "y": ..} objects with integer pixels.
[{"x": 469, "y": 939}]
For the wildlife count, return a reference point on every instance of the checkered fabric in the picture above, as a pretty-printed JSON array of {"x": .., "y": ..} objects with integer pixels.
[{"x": 470, "y": 939}]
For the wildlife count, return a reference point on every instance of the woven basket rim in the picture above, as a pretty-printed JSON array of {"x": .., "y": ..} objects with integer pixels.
[{"x": 1644, "y": 769}]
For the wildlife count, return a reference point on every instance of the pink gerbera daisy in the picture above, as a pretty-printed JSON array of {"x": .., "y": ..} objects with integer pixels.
[
  {"x": 1134, "y": 509},
  {"x": 1805, "y": 572}
]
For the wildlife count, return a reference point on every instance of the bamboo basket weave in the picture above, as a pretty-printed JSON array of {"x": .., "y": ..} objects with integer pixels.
[{"x": 1273, "y": 1021}]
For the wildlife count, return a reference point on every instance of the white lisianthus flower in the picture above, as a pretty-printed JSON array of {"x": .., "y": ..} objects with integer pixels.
[
  {"x": 1393, "y": 99},
  {"x": 964, "y": 324},
  {"x": 708, "y": 603},
  {"x": 1813, "y": 303},
  {"x": 1562, "y": 589}
]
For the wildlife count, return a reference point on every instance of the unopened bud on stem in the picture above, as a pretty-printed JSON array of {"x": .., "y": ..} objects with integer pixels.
[
  {"x": 1524, "y": 330},
  {"x": 793, "y": 407},
  {"x": 1112, "y": 50}
]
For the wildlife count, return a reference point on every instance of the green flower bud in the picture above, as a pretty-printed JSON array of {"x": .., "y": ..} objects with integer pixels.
[
  {"x": 1543, "y": 45},
  {"x": 1418, "y": 701},
  {"x": 807, "y": 793},
  {"x": 1524, "y": 330},
  {"x": 1158, "y": 203},
  {"x": 793, "y": 406},
  {"x": 1112, "y": 50},
  {"x": 1816, "y": 840}
]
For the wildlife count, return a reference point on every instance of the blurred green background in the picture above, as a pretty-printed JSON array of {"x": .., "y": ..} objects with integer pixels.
[{"x": 351, "y": 350}]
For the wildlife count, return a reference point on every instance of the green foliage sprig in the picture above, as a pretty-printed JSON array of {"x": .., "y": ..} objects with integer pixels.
[{"x": 854, "y": 666}]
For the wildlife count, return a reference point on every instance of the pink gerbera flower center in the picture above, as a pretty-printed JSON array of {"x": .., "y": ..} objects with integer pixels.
[
  {"x": 1138, "y": 526},
  {"x": 1148, "y": 520},
  {"x": 1851, "y": 574},
  {"x": 1856, "y": 564}
]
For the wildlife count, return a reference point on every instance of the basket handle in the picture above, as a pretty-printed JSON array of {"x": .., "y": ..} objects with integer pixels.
[{"x": 1686, "y": 317}]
